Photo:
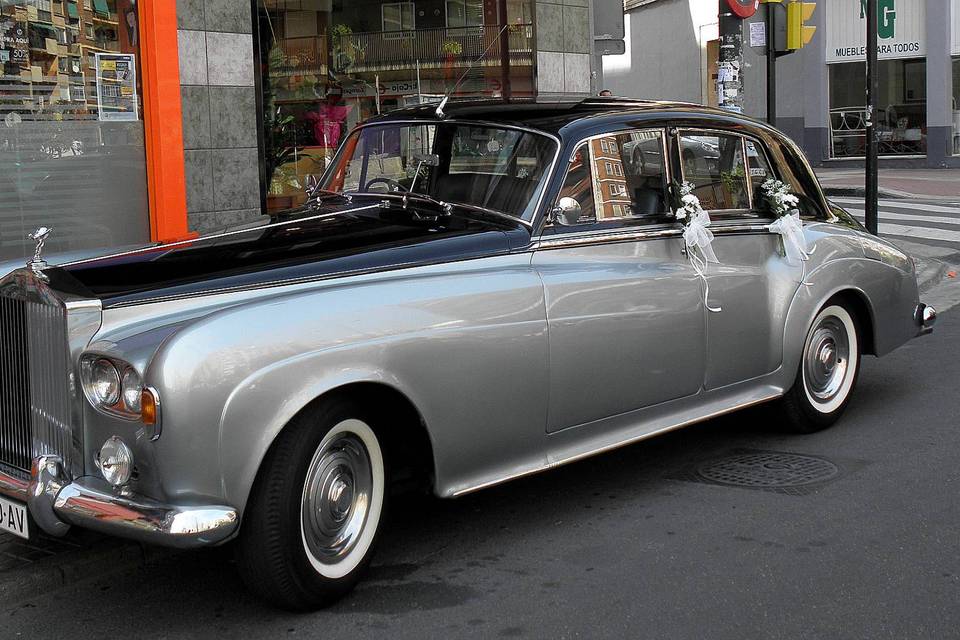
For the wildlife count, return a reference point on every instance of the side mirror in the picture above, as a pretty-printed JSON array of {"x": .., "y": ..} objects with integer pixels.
[{"x": 567, "y": 211}]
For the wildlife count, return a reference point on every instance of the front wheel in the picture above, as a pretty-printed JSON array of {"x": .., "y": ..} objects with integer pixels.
[
  {"x": 315, "y": 510},
  {"x": 828, "y": 372}
]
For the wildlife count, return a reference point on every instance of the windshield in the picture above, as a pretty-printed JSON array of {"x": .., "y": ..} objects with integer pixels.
[{"x": 496, "y": 168}]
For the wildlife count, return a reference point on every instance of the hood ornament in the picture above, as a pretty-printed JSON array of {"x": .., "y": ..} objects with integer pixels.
[{"x": 39, "y": 236}]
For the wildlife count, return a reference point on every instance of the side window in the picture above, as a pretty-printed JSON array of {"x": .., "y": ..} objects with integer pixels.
[
  {"x": 759, "y": 166},
  {"x": 714, "y": 164},
  {"x": 618, "y": 177}
]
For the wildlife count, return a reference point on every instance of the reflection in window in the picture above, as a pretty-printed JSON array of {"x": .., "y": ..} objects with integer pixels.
[
  {"x": 713, "y": 163},
  {"x": 618, "y": 176}
]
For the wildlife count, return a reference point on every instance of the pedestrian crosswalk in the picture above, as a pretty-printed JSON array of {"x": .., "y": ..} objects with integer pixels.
[{"x": 936, "y": 223}]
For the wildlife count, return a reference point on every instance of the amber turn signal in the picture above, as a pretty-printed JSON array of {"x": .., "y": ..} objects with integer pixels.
[{"x": 148, "y": 407}]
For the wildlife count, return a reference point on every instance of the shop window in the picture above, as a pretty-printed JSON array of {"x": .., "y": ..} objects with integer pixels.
[
  {"x": 72, "y": 151},
  {"x": 956, "y": 105},
  {"x": 397, "y": 19},
  {"x": 901, "y": 118},
  {"x": 327, "y": 66}
]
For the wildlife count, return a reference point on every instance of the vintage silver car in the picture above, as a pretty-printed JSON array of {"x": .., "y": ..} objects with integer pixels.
[{"x": 472, "y": 294}]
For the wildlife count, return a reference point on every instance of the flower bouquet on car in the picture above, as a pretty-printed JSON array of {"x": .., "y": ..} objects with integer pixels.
[
  {"x": 697, "y": 238},
  {"x": 783, "y": 205}
]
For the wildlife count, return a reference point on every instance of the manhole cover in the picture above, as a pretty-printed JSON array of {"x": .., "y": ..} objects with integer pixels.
[{"x": 767, "y": 470}]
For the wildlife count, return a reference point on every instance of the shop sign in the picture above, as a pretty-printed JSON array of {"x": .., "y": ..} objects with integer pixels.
[
  {"x": 117, "y": 86},
  {"x": 900, "y": 30},
  {"x": 14, "y": 42}
]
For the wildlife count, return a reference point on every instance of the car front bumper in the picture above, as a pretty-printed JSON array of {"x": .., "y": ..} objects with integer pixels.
[
  {"x": 925, "y": 316},
  {"x": 56, "y": 502}
]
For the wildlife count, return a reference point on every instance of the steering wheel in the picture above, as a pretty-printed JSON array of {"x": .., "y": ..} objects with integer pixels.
[{"x": 392, "y": 185}]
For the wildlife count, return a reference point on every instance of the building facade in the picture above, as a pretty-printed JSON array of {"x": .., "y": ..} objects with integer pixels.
[
  {"x": 125, "y": 121},
  {"x": 672, "y": 52}
]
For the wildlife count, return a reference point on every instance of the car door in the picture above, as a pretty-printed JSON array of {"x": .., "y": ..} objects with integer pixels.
[
  {"x": 753, "y": 284},
  {"x": 624, "y": 307}
]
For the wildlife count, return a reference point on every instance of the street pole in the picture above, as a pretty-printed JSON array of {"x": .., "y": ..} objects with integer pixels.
[
  {"x": 729, "y": 82},
  {"x": 873, "y": 87},
  {"x": 771, "y": 67}
]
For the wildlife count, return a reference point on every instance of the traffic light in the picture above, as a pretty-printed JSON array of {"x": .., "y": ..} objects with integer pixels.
[{"x": 799, "y": 34}]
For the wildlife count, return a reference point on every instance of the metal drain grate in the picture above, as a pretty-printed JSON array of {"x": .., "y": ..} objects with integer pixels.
[{"x": 765, "y": 470}]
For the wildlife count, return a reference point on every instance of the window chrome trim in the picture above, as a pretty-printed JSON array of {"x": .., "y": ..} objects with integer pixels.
[
  {"x": 665, "y": 157},
  {"x": 637, "y": 234},
  {"x": 547, "y": 174},
  {"x": 743, "y": 152}
]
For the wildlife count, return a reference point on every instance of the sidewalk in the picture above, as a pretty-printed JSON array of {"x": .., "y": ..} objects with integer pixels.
[{"x": 935, "y": 184}]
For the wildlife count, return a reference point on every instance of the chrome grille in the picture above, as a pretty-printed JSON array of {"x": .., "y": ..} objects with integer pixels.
[
  {"x": 15, "y": 440},
  {"x": 35, "y": 409}
]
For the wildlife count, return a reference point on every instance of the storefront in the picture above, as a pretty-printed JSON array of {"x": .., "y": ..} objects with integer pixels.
[
  {"x": 82, "y": 107},
  {"x": 901, "y": 117},
  {"x": 324, "y": 66}
]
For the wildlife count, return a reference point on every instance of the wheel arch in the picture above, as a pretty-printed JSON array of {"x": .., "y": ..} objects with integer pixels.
[
  {"x": 863, "y": 314},
  {"x": 242, "y": 462}
]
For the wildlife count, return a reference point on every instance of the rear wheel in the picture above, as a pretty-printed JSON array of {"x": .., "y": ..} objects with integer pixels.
[
  {"x": 828, "y": 372},
  {"x": 314, "y": 513}
]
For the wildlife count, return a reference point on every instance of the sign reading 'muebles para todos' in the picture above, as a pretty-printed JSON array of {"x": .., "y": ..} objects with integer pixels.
[{"x": 901, "y": 29}]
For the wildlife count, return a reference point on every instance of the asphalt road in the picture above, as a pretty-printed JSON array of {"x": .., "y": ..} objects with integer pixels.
[{"x": 621, "y": 546}]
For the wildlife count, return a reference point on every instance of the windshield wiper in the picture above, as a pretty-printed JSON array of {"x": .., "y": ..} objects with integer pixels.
[{"x": 448, "y": 208}]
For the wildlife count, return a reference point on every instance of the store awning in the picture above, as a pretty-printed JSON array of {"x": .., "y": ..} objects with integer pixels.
[
  {"x": 72, "y": 10},
  {"x": 100, "y": 6},
  {"x": 45, "y": 29}
]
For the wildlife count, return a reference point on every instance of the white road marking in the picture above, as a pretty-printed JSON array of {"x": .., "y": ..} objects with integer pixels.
[
  {"x": 942, "y": 235},
  {"x": 901, "y": 204},
  {"x": 888, "y": 215}
]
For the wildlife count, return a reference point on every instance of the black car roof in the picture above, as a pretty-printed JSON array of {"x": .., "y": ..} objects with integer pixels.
[{"x": 559, "y": 117}]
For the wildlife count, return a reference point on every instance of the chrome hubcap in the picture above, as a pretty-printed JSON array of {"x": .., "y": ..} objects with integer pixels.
[
  {"x": 336, "y": 497},
  {"x": 826, "y": 360}
]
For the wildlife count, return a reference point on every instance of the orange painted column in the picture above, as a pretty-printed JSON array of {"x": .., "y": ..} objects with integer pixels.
[{"x": 160, "y": 66}]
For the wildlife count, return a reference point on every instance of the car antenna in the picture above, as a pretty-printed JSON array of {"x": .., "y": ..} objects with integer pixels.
[{"x": 463, "y": 76}]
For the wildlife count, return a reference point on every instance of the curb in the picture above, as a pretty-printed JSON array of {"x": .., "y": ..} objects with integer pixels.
[{"x": 104, "y": 559}]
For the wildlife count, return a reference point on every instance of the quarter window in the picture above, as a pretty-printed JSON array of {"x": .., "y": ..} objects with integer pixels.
[
  {"x": 618, "y": 177},
  {"x": 714, "y": 164}
]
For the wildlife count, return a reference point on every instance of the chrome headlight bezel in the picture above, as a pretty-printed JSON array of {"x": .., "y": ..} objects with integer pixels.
[{"x": 128, "y": 382}]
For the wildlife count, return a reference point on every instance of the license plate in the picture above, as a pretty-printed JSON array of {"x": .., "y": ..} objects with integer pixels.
[{"x": 13, "y": 518}]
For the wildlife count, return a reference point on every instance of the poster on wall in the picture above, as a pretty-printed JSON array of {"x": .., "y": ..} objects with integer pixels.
[
  {"x": 117, "y": 86},
  {"x": 901, "y": 30},
  {"x": 14, "y": 42}
]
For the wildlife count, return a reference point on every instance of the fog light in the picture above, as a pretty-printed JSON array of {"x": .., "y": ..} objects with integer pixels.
[{"x": 115, "y": 461}]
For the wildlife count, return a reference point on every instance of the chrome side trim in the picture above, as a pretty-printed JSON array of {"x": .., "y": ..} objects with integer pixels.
[
  {"x": 623, "y": 443},
  {"x": 605, "y": 236}
]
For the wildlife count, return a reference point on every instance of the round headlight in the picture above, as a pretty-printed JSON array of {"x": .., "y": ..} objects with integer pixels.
[
  {"x": 105, "y": 382},
  {"x": 131, "y": 389},
  {"x": 115, "y": 461}
]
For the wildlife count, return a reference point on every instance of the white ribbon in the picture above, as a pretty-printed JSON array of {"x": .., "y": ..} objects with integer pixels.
[
  {"x": 794, "y": 242},
  {"x": 698, "y": 240}
]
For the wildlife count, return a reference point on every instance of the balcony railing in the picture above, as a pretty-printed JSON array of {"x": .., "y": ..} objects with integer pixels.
[{"x": 431, "y": 48}]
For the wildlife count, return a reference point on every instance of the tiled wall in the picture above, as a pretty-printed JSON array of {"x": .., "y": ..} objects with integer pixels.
[
  {"x": 219, "y": 112},
  {"x": 563, "y": 47}
]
